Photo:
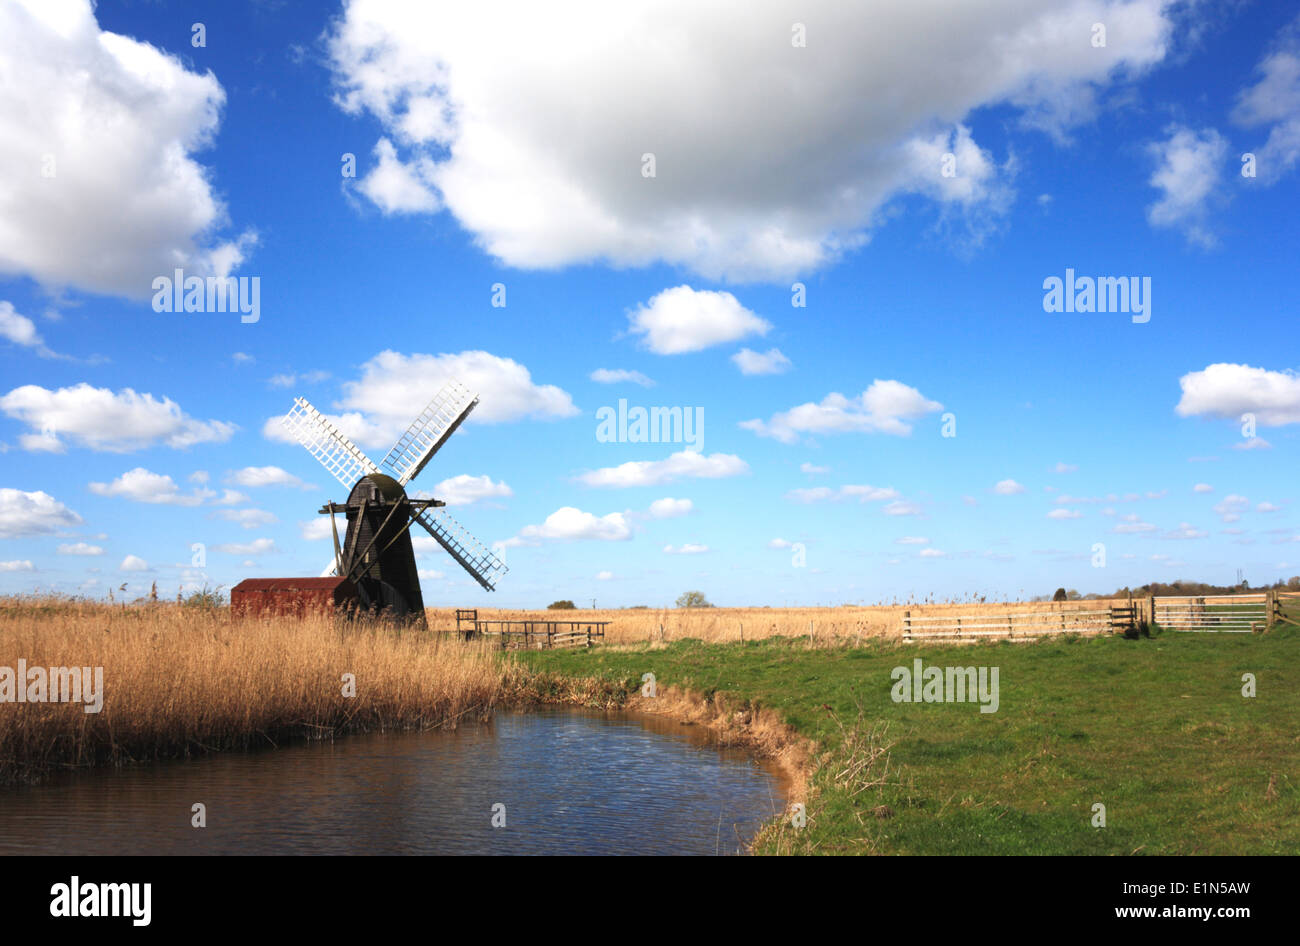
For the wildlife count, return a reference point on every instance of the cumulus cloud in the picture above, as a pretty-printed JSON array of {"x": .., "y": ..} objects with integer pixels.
[
  {"x": 1189, "y": 165},
  {"x": 1008, "y": 488},
  {"x": 393, "y": 388},
  {"x": 247, "y": 518},
  {"x": 813, "y": 468},
  {"x": 670, "y": 508},
  {"x": 23, "y": 565},
  {"x": 37, "y": 513},
  {"x": 1065, "y": 468},
  {"x": 682, "y": 465},
  {"x": 769, "y": 362},
  {"x": 1275, "y": 101},
  {"x": 80, "y": 548},
  {"x": 256, "y": 547},
  {"x": 884, "y": 407},
  {"x": 901, "y": 507},
  {"x": 1230, "y": 390},
  {"x": 257, "y": 476},
  {"x": 771, "y": 159},
  {"x": 1064, "y": 514},
  {"x": 99, "y": 188},
  {"x": 912, "y": 540},
  {"x": 569, "y": 524},
  {"x": 397, "y": 188},
  {"x": 134, "y": 563},
  {"x": 142, "y": 486},
  {"x": 99, "y": 419},
  {"x": 683, "y": 319},
  {"x": 1202, "y": 488},
  {"x": 464, "y": 489},
  {"x": 619, "y": 375},
  {"x": 20, "y": 330}
]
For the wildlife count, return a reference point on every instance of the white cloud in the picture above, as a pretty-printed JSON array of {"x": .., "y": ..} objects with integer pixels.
[
  {"x": 1008, "y": 488},
  {"x": 1275, "y": 100},
  {"x": 430, "y": 573},
  {"x": 683, "y": 319},
  {"x": 811, "y": 468},
  {"x": 884, "y": 407},
  {"x": 779, "y": 544},
  {"x": 133, "y": 563},
  {"x": 1064, "y": 514},
  {"x": 1267, "y": 507},
  {"x": 902, "y": 508},
  {"x": 1185, "y": 530},
  {"x": 1133, "y": 526},
  {"x": 464, "y": 489},
  {"x": 98, "y": 419},
  {"x": 1230, "y": 390},
  {"x": 16, "y": 566},
  {"x": 1253, "y": 443},
  {"x": 319, "y": 528},
  {"x": 1065, "y": 468},
  {"x": 200, "y": 477},
  {"x": 257, "y": 476},
  {"x": 80, "y": 548},
  {"x": 604, "y": 576},
  {"x": 230, "y": 497},
  {"x": 393, "y": 388},
  {"x": 144, "y": 486},
  {"x": 687, "y": 549},
  {"x": 1202, "y": 488},
  {"x": 20, "y": 330},
  {"x": 1188, "y": 169},
  {"x": 932, "y": 553},
  {"x": 256, "y": 547},
  {"x": 684, "y": 464},
  {"x": 670, "y": 508},
  {"x": 912, "y": 540},
  {"x": 863, "y": 493},
  {"x": 570, "y": 524},
  {"x": 247, "y": 518},
  {"x": 397, "y": 188},
  {"x": 484, "y": 117},
  {"x": 752, "y": 362},
  {"x": 1231, "y": 507},
  {"x": 37, "y": 513},
  {"x": 618, "y": 375},
  {"x": 121, "y": 121}
]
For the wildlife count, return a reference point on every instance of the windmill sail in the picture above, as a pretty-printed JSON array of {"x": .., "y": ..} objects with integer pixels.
[
  {"x": 429, "y": 431},
  {"x": 327, "y": 444},
  {"x": 472, "y": 555}
]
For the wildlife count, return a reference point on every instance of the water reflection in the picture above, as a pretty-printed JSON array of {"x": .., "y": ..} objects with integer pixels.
[{"x": 572, "y": 782}]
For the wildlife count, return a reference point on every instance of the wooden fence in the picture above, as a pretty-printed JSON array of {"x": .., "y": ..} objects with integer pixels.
[
  {"x": 1229, "y": 614},
  {"x": 529, "y": 634},
  {"x": 1017, "y": 625}
]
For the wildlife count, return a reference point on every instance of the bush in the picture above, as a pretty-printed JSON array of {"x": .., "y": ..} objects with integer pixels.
[
  {"x": 693, "y": 599},
  {"x": 561, "y": 606},
  {"x": 207, "y": 600},
  {"x": 1060, "y": 595}
]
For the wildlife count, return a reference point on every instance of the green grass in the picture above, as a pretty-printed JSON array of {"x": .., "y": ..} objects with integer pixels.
[{"x": 1155, "y": 729}]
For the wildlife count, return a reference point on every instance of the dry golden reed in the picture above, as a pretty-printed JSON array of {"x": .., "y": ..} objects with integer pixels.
[
  {"x": 848, "y": 624},
  {"x": 180, "y": 681}
]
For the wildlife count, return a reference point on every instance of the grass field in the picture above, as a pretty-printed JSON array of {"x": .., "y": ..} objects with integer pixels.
[{"x": 1157, "y": 730}]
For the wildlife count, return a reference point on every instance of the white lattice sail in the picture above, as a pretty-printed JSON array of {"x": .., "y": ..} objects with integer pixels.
[
  {"x": 327, "y": 444},
  {"x": 472, "y": 554},
  {"x": 429, "y": 431}
]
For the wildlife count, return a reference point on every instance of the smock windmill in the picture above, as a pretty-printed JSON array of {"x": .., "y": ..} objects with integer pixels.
[{"x": 376, "y": 553}]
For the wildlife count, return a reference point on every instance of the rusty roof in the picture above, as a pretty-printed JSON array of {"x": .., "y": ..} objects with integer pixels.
[{"x": 291, "y": 584}]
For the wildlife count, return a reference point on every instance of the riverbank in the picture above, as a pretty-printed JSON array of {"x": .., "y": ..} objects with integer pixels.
[{"x": 1156, "y": 731}]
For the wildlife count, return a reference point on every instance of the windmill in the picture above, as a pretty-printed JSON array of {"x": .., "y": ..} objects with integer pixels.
[{"x": 376, "y": 554}]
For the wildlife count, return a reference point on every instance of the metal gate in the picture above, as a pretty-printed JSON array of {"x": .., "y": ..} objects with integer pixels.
[{"x": 1214, "y": 613}]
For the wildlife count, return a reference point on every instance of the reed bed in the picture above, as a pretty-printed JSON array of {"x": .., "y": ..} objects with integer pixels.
[
  {"x": 831, "y": 626},
  {"x": 181, "y": 681}
]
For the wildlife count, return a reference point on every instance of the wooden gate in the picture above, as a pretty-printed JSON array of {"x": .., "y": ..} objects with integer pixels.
[{"x": 1239, "y": 614}]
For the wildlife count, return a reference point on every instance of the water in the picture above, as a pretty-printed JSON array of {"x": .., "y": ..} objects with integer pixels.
[{"x": 572, "y": 782}]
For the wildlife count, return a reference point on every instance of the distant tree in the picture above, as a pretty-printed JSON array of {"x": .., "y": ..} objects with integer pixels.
[
  {"x": 561, "y": 606},
  {"x": 693, "y": 599},
  {"x": 1060, "y": 595}
]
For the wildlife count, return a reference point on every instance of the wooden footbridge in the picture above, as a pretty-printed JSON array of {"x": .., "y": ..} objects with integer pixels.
[{"x": 530, "y": 634}]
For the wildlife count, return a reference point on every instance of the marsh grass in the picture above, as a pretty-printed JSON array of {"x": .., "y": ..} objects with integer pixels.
[{"x": 183, "y": 681}]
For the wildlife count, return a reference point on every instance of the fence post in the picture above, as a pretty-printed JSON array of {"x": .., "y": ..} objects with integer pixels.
[
  {"x": 1270, "y": 608},
  {"x": 907, "y": 626},
  {"x": 1151, "y": 610}
]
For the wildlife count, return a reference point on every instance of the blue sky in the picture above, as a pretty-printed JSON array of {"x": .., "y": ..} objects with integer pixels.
[{"x": 507, "y": 147}]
